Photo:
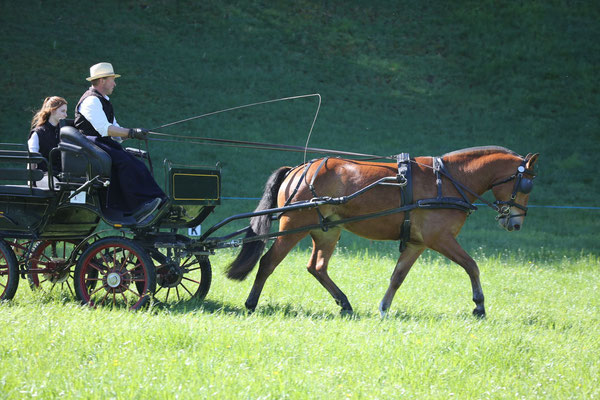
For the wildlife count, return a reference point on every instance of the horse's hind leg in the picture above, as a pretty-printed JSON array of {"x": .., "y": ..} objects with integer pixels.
[
  {"x": 282, "y": 246},
  {"x": 323, "y": 245},
  {"x": 405, "y": 262},
  {"x": 449, "y": 247}
]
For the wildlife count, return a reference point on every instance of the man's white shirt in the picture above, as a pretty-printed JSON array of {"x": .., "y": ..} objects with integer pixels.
[{"x": 91, "y": 109}]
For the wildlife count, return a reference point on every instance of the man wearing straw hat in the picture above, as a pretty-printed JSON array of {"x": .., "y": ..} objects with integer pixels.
[{"x": 132, "y": 189}]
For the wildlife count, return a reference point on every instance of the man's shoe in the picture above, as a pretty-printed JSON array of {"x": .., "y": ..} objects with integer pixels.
[{"x": 147, "y": 209}]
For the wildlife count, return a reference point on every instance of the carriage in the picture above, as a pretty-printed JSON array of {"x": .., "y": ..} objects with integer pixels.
[{"x": 52, "y": 236}]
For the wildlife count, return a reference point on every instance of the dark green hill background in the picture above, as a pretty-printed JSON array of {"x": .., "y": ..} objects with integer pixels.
[{"x": 425, "y": 77}]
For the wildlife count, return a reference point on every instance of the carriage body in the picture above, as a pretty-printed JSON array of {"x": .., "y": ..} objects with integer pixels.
[
  {"x": 31, "y": 212},
  {"x": 46, "y": 232}
]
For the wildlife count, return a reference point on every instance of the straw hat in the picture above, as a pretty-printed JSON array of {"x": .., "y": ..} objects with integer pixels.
[{"x": 101, "y": 70}]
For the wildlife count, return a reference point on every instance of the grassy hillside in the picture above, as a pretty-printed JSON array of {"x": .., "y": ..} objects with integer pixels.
[{"x": 423, "y": 77}]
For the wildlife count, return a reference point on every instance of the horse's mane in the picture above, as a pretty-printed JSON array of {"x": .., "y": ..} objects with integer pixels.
[{"x": 482, "y": 150}]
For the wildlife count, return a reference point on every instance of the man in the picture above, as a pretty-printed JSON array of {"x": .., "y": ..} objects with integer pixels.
[{"x": 132, "y": 189}]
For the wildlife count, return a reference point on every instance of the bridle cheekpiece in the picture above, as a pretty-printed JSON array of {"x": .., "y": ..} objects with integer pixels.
[{"x": 522, "y": 185}]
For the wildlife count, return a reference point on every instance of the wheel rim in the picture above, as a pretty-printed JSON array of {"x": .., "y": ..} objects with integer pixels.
[
  {"x": 116, "y": 273},
  {"x": 185, "y": 280},
  {"x": 49, "y": 268},
  {"x": 9, "y": 278}
]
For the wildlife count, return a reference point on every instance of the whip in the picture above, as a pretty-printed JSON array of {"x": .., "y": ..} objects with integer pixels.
[{"x": 256, "y": 145}]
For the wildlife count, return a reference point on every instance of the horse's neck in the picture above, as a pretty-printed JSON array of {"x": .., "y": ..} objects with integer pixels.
[{"x": 478, "y": 173}]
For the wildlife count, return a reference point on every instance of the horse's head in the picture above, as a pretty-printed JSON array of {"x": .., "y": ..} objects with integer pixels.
[{"x": 512, "y": 194}]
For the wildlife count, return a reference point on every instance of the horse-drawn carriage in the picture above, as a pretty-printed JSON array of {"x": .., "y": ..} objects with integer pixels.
[{"x": 50, "y": 235}]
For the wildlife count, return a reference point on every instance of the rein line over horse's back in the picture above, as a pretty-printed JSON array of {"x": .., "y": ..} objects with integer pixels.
[{"x": 260, "y": 145}]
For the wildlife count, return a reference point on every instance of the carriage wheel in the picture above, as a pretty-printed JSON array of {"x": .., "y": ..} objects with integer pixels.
[
  {"x": 49, "y": 267},
  {"x": 188, "y": 279},
  {"x": 9, "y": 272},
  {"x": 115, "y": 271}
]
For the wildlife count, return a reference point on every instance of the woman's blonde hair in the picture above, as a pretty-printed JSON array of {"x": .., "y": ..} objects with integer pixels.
[{"x": 50, "y": 104}]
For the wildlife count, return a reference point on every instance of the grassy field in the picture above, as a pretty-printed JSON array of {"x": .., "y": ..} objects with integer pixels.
[
  {"x": 425, "y": 77},
  {"x": 540, "y": 339}
]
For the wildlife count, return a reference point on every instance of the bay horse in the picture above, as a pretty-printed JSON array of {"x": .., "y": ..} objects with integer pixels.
[{"x": 467, "y": 173}]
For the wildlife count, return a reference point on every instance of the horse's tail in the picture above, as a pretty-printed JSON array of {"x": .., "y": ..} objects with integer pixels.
[{"x": 259, "y": 225}]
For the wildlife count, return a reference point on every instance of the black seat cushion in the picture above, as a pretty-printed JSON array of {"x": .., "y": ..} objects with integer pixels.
[{"x": 75, "y": 164}]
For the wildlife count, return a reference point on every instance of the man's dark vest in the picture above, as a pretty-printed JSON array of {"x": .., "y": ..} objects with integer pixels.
[{"x": 82, "y": 123}]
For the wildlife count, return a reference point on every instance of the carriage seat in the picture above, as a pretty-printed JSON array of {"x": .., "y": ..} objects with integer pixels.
[
  {"x": 75, "y": 163},
  {"x": 9, "y": 175}
]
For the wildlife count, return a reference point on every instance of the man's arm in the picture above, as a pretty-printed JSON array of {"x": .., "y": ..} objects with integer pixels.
[{"x": 91, "y": 109}]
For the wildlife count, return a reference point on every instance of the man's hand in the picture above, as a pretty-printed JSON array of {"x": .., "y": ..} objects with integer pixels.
[{"x": 138, "y": 133}]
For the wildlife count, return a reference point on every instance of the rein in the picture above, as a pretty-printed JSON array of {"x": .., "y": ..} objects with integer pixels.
[{"x": 259, "y": 145}]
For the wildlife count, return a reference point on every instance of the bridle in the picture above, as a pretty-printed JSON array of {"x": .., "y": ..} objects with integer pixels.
[{"x": 522, "y": 185}]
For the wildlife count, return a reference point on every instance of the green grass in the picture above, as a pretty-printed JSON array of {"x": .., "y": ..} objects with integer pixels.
[{"x": 540, "y": 339}]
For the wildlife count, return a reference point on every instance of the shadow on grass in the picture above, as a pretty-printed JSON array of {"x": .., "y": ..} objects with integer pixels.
[
  {"x": 292, "y": 311},
  {"x": 273, "y": 309}
]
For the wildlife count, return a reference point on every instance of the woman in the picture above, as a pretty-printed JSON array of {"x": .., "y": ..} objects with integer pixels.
[{"x": 44, "y": 135}]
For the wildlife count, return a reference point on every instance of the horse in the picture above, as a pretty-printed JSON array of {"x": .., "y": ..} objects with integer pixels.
[{"x": 468, "y": 173}]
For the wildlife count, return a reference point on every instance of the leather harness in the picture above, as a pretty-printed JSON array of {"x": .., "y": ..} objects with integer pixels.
[{"x": 404, "y": 181}]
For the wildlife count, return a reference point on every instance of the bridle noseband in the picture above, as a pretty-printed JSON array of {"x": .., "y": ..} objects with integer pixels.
[{"x": 522, "y": 185}]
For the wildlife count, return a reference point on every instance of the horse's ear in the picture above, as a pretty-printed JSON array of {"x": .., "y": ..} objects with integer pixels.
[{"x": 531, "y": 160}]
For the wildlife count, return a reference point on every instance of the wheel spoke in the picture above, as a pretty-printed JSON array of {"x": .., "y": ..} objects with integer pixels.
[
  {"x": 69, "y": 286},
  {"x": 135, "y": 293},
  {"x": 186, "y": 289},
  {"x": 97, "y": 290},
  {"x": 191, "y": 280},
  {"x": 125, "y": 261},
  {"x": 105, "y": 296},
  {"x": 106, "y": 262}
]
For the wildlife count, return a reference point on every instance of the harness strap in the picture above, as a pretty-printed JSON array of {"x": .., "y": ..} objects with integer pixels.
[
  {"x": 404, "y": 178},
  {"x": 312, "y": 180},
  {"x": 440, "y": 169},
  {"x": 311, "y": 186},
  {"x": 291, "y": 196},
  {"x": 322, "y": 219}
]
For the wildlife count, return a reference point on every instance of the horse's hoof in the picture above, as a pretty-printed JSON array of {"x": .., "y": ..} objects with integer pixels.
[
  {"x": 346, "y": 311},
  {"x": 250, "y": 308},
  {"x": 479, "y": 313},
  {"x": 382, "y": 312}
]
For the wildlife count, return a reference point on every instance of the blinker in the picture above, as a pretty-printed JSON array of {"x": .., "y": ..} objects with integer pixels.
[{"x": 525, "y": 185}]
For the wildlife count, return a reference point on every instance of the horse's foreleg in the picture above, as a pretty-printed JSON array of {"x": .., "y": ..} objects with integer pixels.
[
  {"x": 280, "y": 248},
  {"x": 449, "y": 247},
  {"x": 405, "y": 262},
  {"x": 323, "y": 245}
]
